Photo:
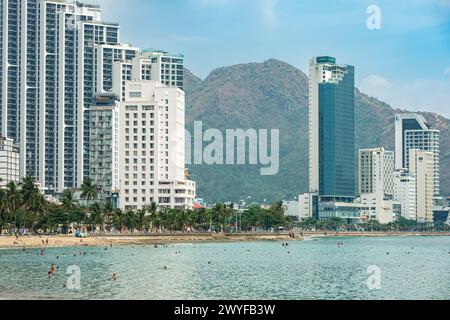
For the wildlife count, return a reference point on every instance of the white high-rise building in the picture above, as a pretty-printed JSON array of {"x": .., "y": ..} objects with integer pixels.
[
  {"x": 413, "y": 132},
  {"x": 405, "y": 194},
  {"x": 9, "y": 162},
  {"x": 376, "y": 184},
  {"x": 55, "y": 56},
  {"x": 421, "y": 164},
  {"x": 152, "y": 147}
]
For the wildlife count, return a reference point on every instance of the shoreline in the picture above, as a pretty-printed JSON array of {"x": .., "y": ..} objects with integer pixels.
[{"x": 58, "y": 241}]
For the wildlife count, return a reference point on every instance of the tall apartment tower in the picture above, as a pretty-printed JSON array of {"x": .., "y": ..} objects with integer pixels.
[
  {"x": 104, "y": 143},
  {"x": 332, "y": 151},
  {"x": 152, "y": 147},
  {"x": 55, "y": 56},
  {"x": 421, "y": 164},
  {"x": 376, "y": 184},
  {"x": 413, "y": 132}
]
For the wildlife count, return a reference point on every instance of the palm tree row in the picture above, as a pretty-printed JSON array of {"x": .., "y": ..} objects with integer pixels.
[{"x": 23, "y": 207}]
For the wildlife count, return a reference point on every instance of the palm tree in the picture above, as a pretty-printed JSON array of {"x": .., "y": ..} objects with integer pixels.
[
  {"x": 88, "y": 190},
  {"x": 108, "y": 211},
  {"x": 119, "y": 219},
  {"x": 68, "y": 200},
  {"x": 3, "y": 210},
  {"x": 153, "y": 217},
  {"x": 13, "y": 196},
  {"x": 140, "y": 217},
  {"x": 96, "y": 217}
]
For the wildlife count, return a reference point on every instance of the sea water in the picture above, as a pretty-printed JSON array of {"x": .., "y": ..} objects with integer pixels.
[{"x": 331, "y": 268}]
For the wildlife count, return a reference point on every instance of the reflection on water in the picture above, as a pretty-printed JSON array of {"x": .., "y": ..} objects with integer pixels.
[{"x": 411, "y": 268}]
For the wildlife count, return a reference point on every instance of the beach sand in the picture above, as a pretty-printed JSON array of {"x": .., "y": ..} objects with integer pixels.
[{"x": 71, "y": 241}]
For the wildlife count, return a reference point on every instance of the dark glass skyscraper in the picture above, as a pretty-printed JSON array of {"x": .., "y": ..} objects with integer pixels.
[{"x": 332, "y": 128}]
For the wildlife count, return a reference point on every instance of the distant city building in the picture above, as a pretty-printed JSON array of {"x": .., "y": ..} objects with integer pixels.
[
  {"x": 376, "y": 184},
  {"x": 152, "y": 147},
  {"x": 9, "y": 162},
  {"x": 405, "y": 194},
  {"x": 163, "y": 67},
  {"x": 413, "y": 132},
  {"x": 332, "y": 128},
  {"x": 346, "y": 208},
  {"x": 422, "y": 165},
  {"x": 308, "y": 205},
  {"x": 291, "y": 208}
]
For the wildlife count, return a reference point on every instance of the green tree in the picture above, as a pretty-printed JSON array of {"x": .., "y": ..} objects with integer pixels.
[
  {"x": 68, "y": 200},
  {"x": 88, "y": 191},
  {"x": 13, "y": 197}
]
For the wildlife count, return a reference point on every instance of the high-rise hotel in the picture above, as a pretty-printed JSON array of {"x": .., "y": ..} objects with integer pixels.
[
  {"x": 58, "y": 62},
  {"x": 332, "y": 150},
  {"x": 332, "y": 161},
  {"x": 413, "y": 132}
]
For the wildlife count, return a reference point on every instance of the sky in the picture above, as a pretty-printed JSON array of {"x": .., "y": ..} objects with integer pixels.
[{"x": 405, "y": 62}]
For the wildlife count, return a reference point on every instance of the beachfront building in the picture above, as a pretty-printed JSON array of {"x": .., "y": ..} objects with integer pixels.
[
  {"x": 48, "y": 81},
  {"x": 55, "y": 56},
  {"x": 308, "y": 205},
  {"x": 422, "y": 165},
  {"x": 104, "y": 145},
  {"x": 413, "y": 132},
  {"x": 346, "y": 208},
  {"x": 9, "y": 162},
  {"x": 405, "y": 194},
  {"x": 376, "y": 184},
  {"x": 332, "y": 150},
  {"x": 152, "y": 147}
]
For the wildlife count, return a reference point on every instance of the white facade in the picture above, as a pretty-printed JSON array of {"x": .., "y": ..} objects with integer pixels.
[
  {"x": 308, "y": 204},
  {"x": 291, "y": 208},
  {"x": 405, "y": 193},
  {"x": 152, "y": 147},
  {"x": 9, "y": 162},
  {"x": 376, "y": 184},
  {"x": 160, "y": 66},
  {"x": 422, "y": 165},
  {"x": 413, "y": 132}
]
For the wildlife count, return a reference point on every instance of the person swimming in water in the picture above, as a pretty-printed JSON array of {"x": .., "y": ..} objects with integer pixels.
[{"x": 114, "y": 276}]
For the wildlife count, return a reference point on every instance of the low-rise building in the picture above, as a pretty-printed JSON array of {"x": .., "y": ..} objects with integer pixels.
[
  {"x": 9, "y": 162},
  {"x": 376, "y": 184},
  {"x": 405, "y": 195}
]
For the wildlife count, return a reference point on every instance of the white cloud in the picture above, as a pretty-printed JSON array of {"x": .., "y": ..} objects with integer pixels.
[
  {"x": 419, "y": 95},
  {"x": 268, "y": 12}
]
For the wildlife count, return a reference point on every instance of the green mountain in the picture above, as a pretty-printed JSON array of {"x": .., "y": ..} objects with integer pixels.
[{"x": 274, "y": 95}]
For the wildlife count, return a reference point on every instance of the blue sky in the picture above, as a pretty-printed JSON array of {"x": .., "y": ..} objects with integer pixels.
[{"x": 406, "y": 63}]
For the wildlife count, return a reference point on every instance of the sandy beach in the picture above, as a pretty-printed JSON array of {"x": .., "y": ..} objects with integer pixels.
[{"x": 107, "y": 240}]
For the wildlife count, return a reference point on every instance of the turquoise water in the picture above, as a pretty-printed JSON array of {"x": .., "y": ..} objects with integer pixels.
[{"x": 415, "y": 268}]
